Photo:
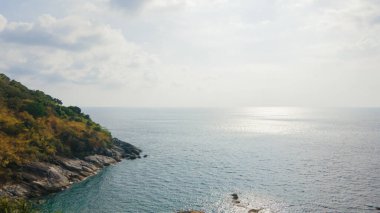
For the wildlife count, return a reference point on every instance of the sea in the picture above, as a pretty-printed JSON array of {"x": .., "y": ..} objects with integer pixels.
[{"x": 276, "y": 159}]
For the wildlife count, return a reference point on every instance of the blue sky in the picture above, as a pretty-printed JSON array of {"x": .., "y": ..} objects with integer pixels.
[{"x": 195, "y": 53}]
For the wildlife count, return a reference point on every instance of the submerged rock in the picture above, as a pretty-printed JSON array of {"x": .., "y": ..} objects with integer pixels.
[
  {"x": 190, "y": 211},
  {"x": 235, "y": 196},
  {"x": 373, "y": 207},
  {"x": 254, "y": 210}
]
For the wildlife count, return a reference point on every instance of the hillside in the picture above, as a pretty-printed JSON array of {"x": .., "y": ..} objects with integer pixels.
[
  {"x": 40, "y": 137},
  {"x": 35, "y": 126}
]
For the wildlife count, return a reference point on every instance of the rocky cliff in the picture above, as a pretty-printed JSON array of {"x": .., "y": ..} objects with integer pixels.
[
  {"x": 46, "y": 146},
  {"x": 36, "y": 179}
]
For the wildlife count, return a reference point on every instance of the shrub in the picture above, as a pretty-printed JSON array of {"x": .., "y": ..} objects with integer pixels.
[
  {"x": 97, "y": 128},
  {"x": 75, "y": 109},
  {"x": 9, "y": 205},
  {"x": 36, "y": 109},
  {"x": 56, "y": 100}
]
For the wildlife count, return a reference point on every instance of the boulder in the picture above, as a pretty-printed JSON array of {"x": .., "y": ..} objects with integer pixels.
[
  {"x": 100, "y": 160},
  {"x": 70, "y": 164},
  {"x": 51, "y": 177},
  {"x": 15, "y": 190},
  {"x": 126, "y": 147}
]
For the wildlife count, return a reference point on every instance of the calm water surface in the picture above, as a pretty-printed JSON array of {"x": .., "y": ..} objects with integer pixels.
[{"x": 279, "y": 159}]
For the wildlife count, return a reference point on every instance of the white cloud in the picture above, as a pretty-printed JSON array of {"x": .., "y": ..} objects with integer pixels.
[
  {"x": 147, "y": 6},
  {"x": 72, "y": 49},
  {"x": 213, "y": 53},
  {"x": 3, "y": 22}
]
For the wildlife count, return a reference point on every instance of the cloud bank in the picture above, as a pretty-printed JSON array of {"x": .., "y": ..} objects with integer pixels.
[
  {"x": 71, "y": 49},
  {"x": 196, "y": 52}
]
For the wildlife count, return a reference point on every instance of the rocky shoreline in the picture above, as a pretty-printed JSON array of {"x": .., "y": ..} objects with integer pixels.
[{"x": 37, "y": 179}]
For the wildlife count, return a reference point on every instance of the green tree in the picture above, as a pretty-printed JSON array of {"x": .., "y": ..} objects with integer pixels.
[{"x": 36, "y": 109}]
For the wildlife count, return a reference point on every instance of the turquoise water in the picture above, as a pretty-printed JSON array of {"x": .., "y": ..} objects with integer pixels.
[{"x": 279, "y": 159}]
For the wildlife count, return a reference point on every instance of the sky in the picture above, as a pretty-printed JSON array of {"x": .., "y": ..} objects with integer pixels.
[{"x": 195, "y": 53}]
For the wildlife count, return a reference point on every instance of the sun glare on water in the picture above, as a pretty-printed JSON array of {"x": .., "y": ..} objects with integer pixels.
[{"x": 268, "y": 120}]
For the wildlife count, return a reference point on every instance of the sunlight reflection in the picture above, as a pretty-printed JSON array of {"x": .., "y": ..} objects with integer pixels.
[{"x": 269, "y": 120}]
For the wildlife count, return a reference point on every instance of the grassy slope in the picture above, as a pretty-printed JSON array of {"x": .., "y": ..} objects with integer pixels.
[{"x": 34, "y": 127}]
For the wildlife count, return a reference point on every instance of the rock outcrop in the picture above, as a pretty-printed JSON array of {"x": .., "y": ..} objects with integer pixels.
[{"x": 41, "y": 178}]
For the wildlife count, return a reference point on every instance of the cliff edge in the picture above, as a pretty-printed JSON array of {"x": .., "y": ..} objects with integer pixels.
[
  {"x": 40, "y": 178},
  {"x": 46, "y": 146}
]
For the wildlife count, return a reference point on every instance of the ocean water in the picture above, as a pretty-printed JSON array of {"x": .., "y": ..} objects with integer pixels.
[{"x": 275, "y": 159}]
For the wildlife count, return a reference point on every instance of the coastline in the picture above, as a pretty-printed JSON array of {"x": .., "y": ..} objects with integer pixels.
[{"x": 37, "y": 179}]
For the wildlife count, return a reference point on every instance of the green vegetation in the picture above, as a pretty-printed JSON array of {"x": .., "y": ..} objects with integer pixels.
[
  {"x": 34, "y": 126},
  {"x": 9, "y": 205}
]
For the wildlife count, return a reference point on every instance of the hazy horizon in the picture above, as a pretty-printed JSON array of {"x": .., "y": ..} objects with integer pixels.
[{"x": 194, "y": 53}]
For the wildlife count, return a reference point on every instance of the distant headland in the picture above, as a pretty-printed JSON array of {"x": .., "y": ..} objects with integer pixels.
[{"x": 46, "y": 147}]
